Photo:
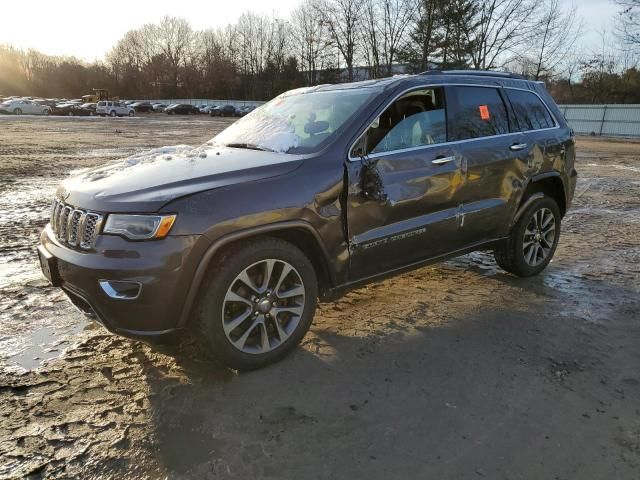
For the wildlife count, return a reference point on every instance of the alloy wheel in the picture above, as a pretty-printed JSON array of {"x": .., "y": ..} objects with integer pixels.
[
  {"x": 263, "y": 306},
  {"x": 539, "y": 237}
]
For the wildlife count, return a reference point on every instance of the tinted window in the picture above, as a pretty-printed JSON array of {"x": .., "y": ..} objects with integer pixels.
[
  {"x": 531, "y": 113},
  {"x": 415, "y": 119},
  {"x": 480, "y": 112}
]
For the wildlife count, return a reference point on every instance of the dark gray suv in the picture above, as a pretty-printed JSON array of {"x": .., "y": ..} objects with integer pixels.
[{"x": 317, "y": 192}]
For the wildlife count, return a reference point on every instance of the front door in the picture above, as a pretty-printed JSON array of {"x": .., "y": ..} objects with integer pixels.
[{"x": 403, "y": 186}]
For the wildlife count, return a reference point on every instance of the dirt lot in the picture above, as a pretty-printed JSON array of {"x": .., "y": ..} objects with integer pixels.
[{"x": 457, "y": 371}]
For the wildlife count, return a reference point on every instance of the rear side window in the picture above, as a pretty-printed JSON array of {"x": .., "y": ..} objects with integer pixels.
[
  {"x": 531, "y": 113},
  {"x": 480, "y": 113},
  {"x": 102, "y": 104}
]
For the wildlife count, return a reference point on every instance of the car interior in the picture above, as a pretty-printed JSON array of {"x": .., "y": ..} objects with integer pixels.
[{"x": 416, "y": 119}]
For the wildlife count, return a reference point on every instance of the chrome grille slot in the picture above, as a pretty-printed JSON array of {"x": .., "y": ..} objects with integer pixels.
[
  {"x": 74, "y": 226},
  {"x": 63, "y": 222},
  {"x": 91, "y": 227}
]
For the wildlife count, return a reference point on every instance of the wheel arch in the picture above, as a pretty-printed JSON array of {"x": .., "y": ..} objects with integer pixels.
[
  {"x": 299, "y": 233},
  {"x": 549, "y": 184}
]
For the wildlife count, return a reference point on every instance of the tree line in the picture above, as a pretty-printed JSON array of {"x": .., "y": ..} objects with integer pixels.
[{"x": 327, "y": 41}]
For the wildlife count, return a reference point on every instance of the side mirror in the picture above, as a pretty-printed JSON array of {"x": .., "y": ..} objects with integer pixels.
[{"x": 371, "y": 181}]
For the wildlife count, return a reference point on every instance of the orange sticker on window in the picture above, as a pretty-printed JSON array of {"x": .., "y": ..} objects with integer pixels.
[{"x": 484, "y": 112}]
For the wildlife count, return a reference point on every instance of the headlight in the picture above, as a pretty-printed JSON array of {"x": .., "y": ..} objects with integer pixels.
[{"x": 139, "y": 227}]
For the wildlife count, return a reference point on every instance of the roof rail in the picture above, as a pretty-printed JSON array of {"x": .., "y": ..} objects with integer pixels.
[{"x": 481, "y": 73}]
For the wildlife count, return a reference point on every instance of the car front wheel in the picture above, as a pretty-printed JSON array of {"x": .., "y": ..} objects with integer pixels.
[
  {"x": 533, "y": 240},
  {"x": 17, "y": 111},
  {"x": 256, "y": 304}
]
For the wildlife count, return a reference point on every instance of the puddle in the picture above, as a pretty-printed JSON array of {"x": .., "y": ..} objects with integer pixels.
[{"x": 44, "y": 344}]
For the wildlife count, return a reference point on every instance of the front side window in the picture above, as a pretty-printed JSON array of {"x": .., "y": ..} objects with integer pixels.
[
  {"x": 531, "y": 113},
  {"x": 480, "y": 113},
  {"x": 414, "y": 120}
]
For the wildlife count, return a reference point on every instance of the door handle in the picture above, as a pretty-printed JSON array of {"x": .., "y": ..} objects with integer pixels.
[
  {"x": 517, "y": 147},
  {"x": 443, "y": 160}
]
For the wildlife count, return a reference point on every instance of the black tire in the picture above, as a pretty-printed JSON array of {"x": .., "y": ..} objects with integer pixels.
[
  {"x": 510, "y": 256},
  {"x": 208, "y": 328},
  {"x": 17, "y": 111},
  {"x": 113, "y": 114}
]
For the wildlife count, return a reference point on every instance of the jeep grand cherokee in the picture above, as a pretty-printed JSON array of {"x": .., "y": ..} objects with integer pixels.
[{"x": 319, "y": 191}]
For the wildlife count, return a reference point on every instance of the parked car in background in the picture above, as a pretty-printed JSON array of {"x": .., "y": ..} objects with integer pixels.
[
  {"x": 224, "y": 111},
  {"x": 242, "y": 111},
  {"x": 74, "y": 110},
  {"x": 181, "y": 109},
  {"x": 64, "y": 109},
  {"x": 206, "y": 109},
  {"x": 159, "y": 107},
  {"x": 24, "y": 107},
  {"x": 142, "y": 107},
  {"x": 114, "y": 109},
  {"x": 49, "y": 102}
]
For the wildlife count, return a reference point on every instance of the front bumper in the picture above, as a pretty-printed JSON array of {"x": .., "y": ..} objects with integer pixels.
[{"x": 163, "y": 269}]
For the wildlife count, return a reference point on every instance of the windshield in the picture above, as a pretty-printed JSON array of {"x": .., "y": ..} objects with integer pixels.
[{"x": 295, "y": 122}]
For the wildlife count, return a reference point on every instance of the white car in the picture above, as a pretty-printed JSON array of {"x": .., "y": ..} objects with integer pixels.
[
  {"x": 26, "y": 107},
  {"x": 114, "y": 109}
]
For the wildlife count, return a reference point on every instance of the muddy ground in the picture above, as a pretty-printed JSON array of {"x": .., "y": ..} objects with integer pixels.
[{"x": 456, "y": 371}]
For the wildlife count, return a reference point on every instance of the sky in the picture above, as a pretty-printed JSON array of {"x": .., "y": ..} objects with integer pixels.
[{"x": 78, "y": 28}]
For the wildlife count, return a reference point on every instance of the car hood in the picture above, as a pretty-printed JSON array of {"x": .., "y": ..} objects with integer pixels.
[{"x": 147, "y": 181}]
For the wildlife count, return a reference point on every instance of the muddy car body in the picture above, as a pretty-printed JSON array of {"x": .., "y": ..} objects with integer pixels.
[{"x": 413, "y": 170}]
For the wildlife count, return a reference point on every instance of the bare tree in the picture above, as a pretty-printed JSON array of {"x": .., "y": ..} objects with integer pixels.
[
  {"x": 310, "y": 34},
  {"x": 342, "y": 18},
  {"x": 628, "y": 25},
  {"x": 556, "y": 34},
  {"x": 174, "y": 39},
  {"x": 503, "y": 26},
  {"x": 397, "y": 16}
]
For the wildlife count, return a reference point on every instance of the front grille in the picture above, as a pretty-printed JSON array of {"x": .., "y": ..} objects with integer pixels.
[{"x": 73, "y": 226}]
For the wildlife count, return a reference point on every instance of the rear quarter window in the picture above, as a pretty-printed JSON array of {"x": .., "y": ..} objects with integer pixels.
[
  {"x": 531, "y": 113},
  {"x": 478, "y": 112}
]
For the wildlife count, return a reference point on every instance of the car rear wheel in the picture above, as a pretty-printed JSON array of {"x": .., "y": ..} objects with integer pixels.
[
  {"x": 17, "y": 111},
  {"x": 113, "y": 114},
  {"x": 256, "y": 304},
  {"x": 131, "y": 114},
  {"x": 533, "y": 240}
]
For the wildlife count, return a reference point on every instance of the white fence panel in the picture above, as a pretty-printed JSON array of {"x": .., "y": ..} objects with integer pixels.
[{"x": 607, "y": 120}]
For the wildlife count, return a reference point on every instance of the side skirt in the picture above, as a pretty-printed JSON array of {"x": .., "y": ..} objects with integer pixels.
[{"x": 341, "y": 290}]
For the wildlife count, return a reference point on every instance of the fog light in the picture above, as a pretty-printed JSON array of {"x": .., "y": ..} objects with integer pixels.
[{"x": 120, "y": 289}]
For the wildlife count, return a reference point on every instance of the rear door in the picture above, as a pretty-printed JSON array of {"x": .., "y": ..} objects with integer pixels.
[
  {"x": 494, "y": 159},
  {"x": 403, "y": 181},
  {"x": 540, "y": 129}
]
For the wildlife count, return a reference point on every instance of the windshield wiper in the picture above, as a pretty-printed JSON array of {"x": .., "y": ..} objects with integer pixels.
[{"x": 250, "y": 146}]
